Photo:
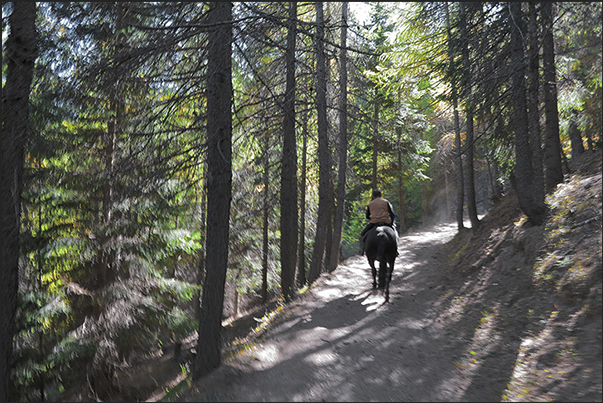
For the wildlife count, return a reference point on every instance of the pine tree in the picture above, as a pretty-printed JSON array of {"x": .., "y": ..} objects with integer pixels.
[
  {"x": 21, "y": 52},
  {"x": 219, "y": 154}
]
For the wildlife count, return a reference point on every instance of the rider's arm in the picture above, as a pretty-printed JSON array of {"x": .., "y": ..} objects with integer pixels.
[{"x": 390, "y": 209}]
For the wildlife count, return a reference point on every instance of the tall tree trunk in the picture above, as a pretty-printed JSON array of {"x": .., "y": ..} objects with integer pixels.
[
  {"x": 575, "y": 136},
  {"x": 534, "y": 209},
  {"x": 219, "y": 151},
  {"x": 202, "y": 238},
  {"x": 552, "y": 146},
  {"x": 470, "y": 172},
  {"x": 105, "y": 273},
  {"x": 21, "y": 51},
  {"x": 424, "y": 196},
  {"x": 533, "y": 104},
  {"x": 331, "y": 155},
  {"x": 374, "y": 184},
  {"x": 460, "y": 182},
  {"x": 446, "y": 187},
  {"x": 460, "y": 195},
  {"x": 401, "y": 193},
  {"x": 343, "y": 143},
  {"x": 493, "y": 175},
  {"x": 265, "y": 218},
  {"x": 323, "y": 151},
  {"x": 331, "y": 216},
  {"x": 301, "y": 254},
  {"x": 289, "y": 166},
  {"x": 469, "y": 112}
]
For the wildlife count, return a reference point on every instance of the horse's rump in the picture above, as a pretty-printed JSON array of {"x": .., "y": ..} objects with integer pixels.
[
  {"x": 381, "y": 239},
  {"x": 382, "y": 245}
]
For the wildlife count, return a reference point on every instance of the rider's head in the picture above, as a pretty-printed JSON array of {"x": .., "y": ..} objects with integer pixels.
[{"x": 376, "y": 193}]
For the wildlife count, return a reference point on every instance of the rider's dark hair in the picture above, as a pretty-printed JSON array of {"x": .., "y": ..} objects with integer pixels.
[{"x": 376, "y": 193}]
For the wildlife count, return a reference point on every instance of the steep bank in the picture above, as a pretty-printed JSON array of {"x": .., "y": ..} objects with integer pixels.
[{"x": 537, "y": 290}]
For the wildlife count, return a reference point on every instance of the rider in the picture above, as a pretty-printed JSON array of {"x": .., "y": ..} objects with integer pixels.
[{"x": 379, "y": 211}]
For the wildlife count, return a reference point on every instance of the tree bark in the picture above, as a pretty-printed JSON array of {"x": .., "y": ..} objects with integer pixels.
[
  {"x": 21, "y": 52},
  {"x": 202, "y": 240},
  {"x": 105, "y": 268},
  {"x": 534, "y": 209},
  {"x": 219, "y": 151},
  {"x": 470, "y": 172},
  {"x": 533, "y": 104},
  {"x": 343, "y": 143},
  {"x": 289, "y": 166},
  {"x": 374, "y": 183},
  {"x": 323, "y": 151},
  {"x": 401, "y": 193},
  {"x": 265, "y": 218},
  {"x": 575, "y": 136},
  {"x": 460, "y": 195},
  {"x": 552, "y": 146},
  {"x": 469, "y": 111},
  {"x": 301, "y": 254}
]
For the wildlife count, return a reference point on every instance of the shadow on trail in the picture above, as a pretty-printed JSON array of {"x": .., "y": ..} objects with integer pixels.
[
  {"x": 349, "y": 310},
  {"x": 363, "y": 356},
  {"x": 353, "y": 347},
  {"x": 439, "y": 338},
  {"x": 496, "y": 318}
]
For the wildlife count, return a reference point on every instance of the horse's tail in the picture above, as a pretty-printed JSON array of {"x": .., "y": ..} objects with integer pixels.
[{"x": 382, "y": 242}]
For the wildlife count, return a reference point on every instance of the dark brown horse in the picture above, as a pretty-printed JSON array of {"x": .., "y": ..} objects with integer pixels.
[{"x": 382, "y": 245}]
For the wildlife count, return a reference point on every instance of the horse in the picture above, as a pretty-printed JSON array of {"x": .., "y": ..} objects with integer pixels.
[{"x": 382, "y": 245}]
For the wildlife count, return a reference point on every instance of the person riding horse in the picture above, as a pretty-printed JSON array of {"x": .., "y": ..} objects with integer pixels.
[{"x": 379, "y": 211}]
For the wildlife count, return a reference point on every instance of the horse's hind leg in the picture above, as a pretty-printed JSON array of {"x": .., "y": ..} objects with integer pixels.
[
  {"x": 388, "y": 279},
  {"x": 386, "y": 286},
  {"x": 382, "y": 274},
  {"x": 374, "y": 273}
]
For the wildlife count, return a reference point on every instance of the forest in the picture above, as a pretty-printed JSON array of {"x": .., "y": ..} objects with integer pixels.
[{"x": 166, "y": 164}]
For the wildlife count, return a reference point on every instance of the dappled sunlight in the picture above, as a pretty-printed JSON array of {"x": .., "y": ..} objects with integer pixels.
[
  {"x": 403, "y": 255},
  {"x": 480, "y": 345},
  {"x": 363, "y": 295},
  {"x": 352, "y": 264},
  {"x": 267, "y": 354},
  {"x": 422, "y": 237},
  {"x": 454, "y": 312},
  {"x": 525, "y": 370},
  {"x": 328, "y": 293},
  {"x": 373, "y": 301},
  {"x": 321, "y": 358},
  {"x": 433, "y": 235},
  {"x": 458, "y": 304}
]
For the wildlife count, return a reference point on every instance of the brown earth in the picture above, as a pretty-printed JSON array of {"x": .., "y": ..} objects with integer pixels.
[{"x": 509, "y": 312}]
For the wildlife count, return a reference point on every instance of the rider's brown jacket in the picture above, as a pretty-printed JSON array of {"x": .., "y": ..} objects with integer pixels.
[{"x": 379, "y": 212}]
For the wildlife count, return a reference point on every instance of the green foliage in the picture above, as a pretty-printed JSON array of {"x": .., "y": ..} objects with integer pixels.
[
  {"x": 109, "y": 213},
  {"x": 353, "y": 226},
  {"x": 112, "y": 221},
  {"x": 578, "y": 40}
]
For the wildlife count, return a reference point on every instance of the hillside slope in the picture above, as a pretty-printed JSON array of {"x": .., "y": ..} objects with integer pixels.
[{"x": 539, "y": 289}]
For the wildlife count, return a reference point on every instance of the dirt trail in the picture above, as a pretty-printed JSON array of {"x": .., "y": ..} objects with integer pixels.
[
  {"x": 509, "y": 312},
  {"x": 340, "y": 342}
]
